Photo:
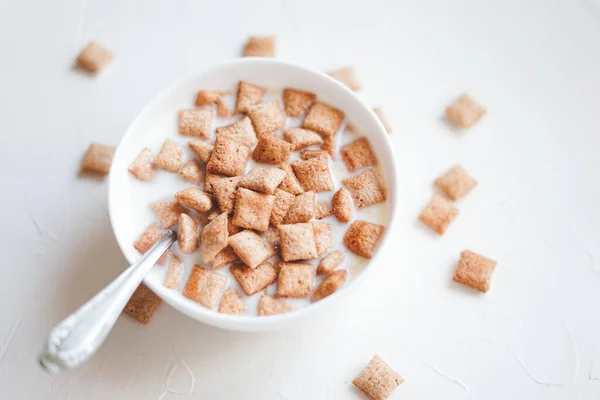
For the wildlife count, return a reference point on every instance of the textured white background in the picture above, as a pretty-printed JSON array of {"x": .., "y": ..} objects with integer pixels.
[{"x": 535, "y": 65}]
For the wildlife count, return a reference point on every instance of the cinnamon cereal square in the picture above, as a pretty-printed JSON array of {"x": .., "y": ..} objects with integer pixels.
[
  {"x": 224, "y": 190},
  {"x": 271, "y": 150},
  {"x": 330, "y": 262},
  {"x": 205, "y": 287},
  {"x": 295, "y": 280},
  {"x": 170, "y": 157},
  {"x": 214, "y": 238},
  {"x": 283, "y": 202},
  {"x": 474, "y": 270},
  {"x": 196, "y": 122},
  {"x": 303, "y": 208},
  {"x": 366, "y": 188},
  {"x": 247, "y": 96},
  {"x": 252, "y": 210},
  {"x": 297, "y": 242},
  {"x": 232, "y": 303},
  {"x": 167, "y": 212},
  {"x": 290, "y": 183},
  {"x": 174, "y": 275},
  {"x": 381, "y": 116},
  {"x": 268, "y": 305},
  {"x": 143, "y": 167},
  {"x": 142, "y": 304},
  {"x": 224, "y": 110},
  {"x": 323, "y": 237},
  {"x": 363, "y": 237},
  {"x": 301, "y": 138},
  {"x": 187, "y": 234},
  {"x": 147, "y": 239},
  {"x": 224, "y": 257},
  {"x": 195, "y": 199},
  {"x": 456, "y": 182},
  {"x": 260, "y": 46},
  {"x": 267, "y": 117},
  {"x": 296, "y": 102},
  {"x": 208, "y": 97},
  {"x": 377, "y": 380},
  {"x": 329, "y": 146},
  {"x": 322, "y": 210},
  {"x": 191, "y": 172},
  {"x": 229, "y": 157},
  {"x": 358, "y": 154},
  {"x": 263, "y": 180},
  {"x": 241, "y": 131},
  {"x": 438, "y": 214},
  {"x": 253, "y": 280},
  {"x": 323, "y": 119},
  {"x": 251, "y": 248},
  {"x": 465, "y": 111},
  {"x": 94, "y": 57},
  {"x": 202, "y": 149},
  {"x": 329, "y": 285},
  {"x": 97, "y": 158},
  {"x": 342, "y": 205},
  {"x": 313, "y": 174},
  {"x": 347, "y": 76}
]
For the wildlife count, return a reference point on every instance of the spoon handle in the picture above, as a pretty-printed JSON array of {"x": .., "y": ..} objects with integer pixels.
[{"x": 73, "y": 341}]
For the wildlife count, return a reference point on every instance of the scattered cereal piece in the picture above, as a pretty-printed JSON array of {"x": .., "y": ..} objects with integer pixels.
[
  {"x": 323, "y": 237},
  {"x": 465, "y": 111},
  {"x": 329, "y": 285},
  {"x": 147, "y": 239},
  {"x": 268, "y": 305},
  {"x": 208, "y": 97},
  {"x": 258, "y": 46},
  {"x": 229, "y": 157},
  {"x": 247, "y": 96},
  {"x": 251, "y": 248},
  {"x": 297, "y": 242},
  {"x": 366, "y": 188},
  {"x": 271, "y": 150},
  {"x": 296, "y": 102},
  {"x": 379, "y": 112},
  {"x": 167, "y": 212},
  {"x": 241, "y": 131},
  {"x": 224, "y": 257},
  {"x": 329, "y": 146},
  {"x": 341, "y": 203},
  {"x": 196, "y": 122},
  {"x": 187, "y": 234},
  {"x": 209, "y": 179},
  {"x": 272, "y": 236},
  {"x": 202, "y": 149},
  {"x": 98, "y": 158},
  {"x": 330, "y": 262},
  {"x": 143, "y": 166},
  {"x": 322, "y": 210},
  {"x": 348, "y": 77},
  {"x": 267, "y": 117},
  {"x": 170, "y": 157},
  {"x": 323, "y": 119},
  {"x": 253, "y": 210},
  {"x": 253, "y": 280},
  {"x": 474, "y": 270},
  {"x": 377, "y": 380},
  {"x": 295, "y": 280},
  {"x": 174, "y": 273},
  {"x": 290, "y": 183},
  {"x": 303, "y": 208},
  {"x": 225, "y": 190},
  {"x": 214, "y": 238},
  {"x": 204, "y": 286},
  {"x": 142, "y": 304},
  {"x": 94, "y": 57},
  {"x": 313, "y": 174},
  {"x": 232, "y": 303},
  {"x": 363, "y": 237},
  {"x": 456, "y": 182},
  {"x": 358, "y": 154},
  {"x": 308, "y": 154},
  {"x": 191, "y": 172},
  {"x": 438, "y": 214},
  {"x": 223, "y": 109},
  {"x": 263, "y": 180},
  {"x": 195, "y": 199},
  {"x": 283, "y": 202},
  {"x": 301, "y": 138}
]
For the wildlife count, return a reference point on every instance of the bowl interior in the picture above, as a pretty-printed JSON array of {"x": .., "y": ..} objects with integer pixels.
[{"x": 159, "y": 120}]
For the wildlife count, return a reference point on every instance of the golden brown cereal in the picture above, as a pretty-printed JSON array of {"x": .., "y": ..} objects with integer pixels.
[
  {"x": 263, "y": 180},
  {"x": 464, "y": 112},
  {"x": 232, "y": 303},
  {"x": 267, "y": 117},
  {"x": 208, "y": 97},
  {"x": 295, "y": 280},
  {"x": 170, "y": 157},
  {"x": 229, "y": 157},
  {"x": 196, "y": 122},
  {"x": 241, "y": 131},
  {"x": 94, "y": 57},
  {"x": 377, "y": 380},
  {"x": 358, "y": 154},
  {"x": 187, "y": 234},
  {"x": 174, "y": 273},
  {"x": 247, "y": 96},
  {"x": 223, "y": 109},
  {"x": 272, "y": 236},
  {"x": 301, "y": 138},
  {"x": 143, "y": 167},
  {"x": 224, "y": 257},
  {"x": 323, "y": 119},
  {"x": 329, "y": 146},
  {"x": 251, "y": 248},
  {"x": 297, "y": 242},
  {"x": 474, "y": 270},
  {"x": 195, "y": 199},
  {"x": 363, "y": 237},
  {"x": 330, "y": 262},
  {"x": 308, "y": 154},
  {"x": 365, "y": 188},
  {"x": 254, "y": 280},
  {"x": 303, "y": 208},
  {"x": 97, "y": 158},
  {"x": 438, "y": 214},
  {"x": 260, "y": 46},
  {"x": 456, "y": 182},
  {"x": 225, "y": 190},
  {"x": 290, "y": 183},
  {"x": 342, "y": 205},
  {"x": 323, "y": 237},
  {"x": 271, "y": 150},
  {"x": 329, "y": 285},
  {"x": 322, "y": 210},
  {"x": 283, "y": 202},
  {"x": 214, "y": 238},
  {"x": 379, "y": 112},
  {"x": 142, "y": 304},
  {"x": 348, "y": 77},
  {"x": 147, "y": 239},
  {"x": 191, "y": 172},
  {"x": 202, "y": 149},
  {"x": 296, "y": 102},
  {"x": 209, "y": 179},
  {"x": 204, "y": 286},
  {"x": 253, "y": 210},
  {"x": 313, "y": 174},
  {"x": 268, "y": 305},
  {"x": 167, "y": 212}
]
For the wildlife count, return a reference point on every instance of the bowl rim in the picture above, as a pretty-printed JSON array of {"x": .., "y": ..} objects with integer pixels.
[{"x": 245, "y": 322}]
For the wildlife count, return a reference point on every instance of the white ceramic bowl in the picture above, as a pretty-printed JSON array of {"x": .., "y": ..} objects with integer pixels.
[{"x": 162, "y": 111}]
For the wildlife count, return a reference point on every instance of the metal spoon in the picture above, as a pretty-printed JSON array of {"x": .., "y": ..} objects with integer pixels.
[{"x": 73, "y": 341}]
